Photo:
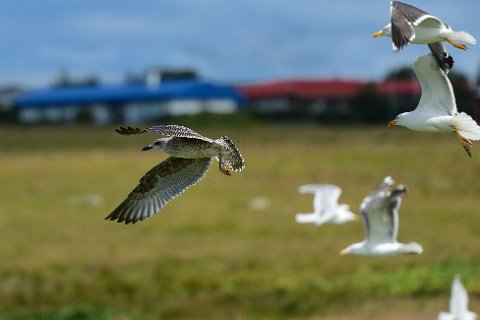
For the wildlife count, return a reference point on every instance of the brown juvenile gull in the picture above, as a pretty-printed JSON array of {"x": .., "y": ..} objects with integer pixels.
[
  {"x": 191, "y": 155},
  {"x": 409, "y": 24}
]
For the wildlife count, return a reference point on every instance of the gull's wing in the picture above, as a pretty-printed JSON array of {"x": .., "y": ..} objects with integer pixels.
[
  {"x": 330, "y": 195},
  {"x": 158, "y": 186},
  {"x": 444, "y": 60},
  {"x": 380, "y": 212},
  {"x": 166, "y": 130},
  {"x": 403, "y": 17},
  {"x": 382, "y": 188},
  {"x": 325, "y": 195},
  {"x": 437, "y": 92},
  {"x": 458, "y": 298},
  {"x": 316, "y": 189}
]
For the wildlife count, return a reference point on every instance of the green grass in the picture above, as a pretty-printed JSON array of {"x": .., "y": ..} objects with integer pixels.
[{"x": 209, "y": 254}]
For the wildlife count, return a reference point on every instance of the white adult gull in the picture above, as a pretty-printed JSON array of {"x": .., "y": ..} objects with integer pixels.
[
  {"x": 379, "y": 211},
  {"x": 458, "y": 303},
  {"x": 190, "y": 158},
  {"x": 409, "y": 24},
  {"x": 326, "y": 208},
  {"x": 437, "y": 109}
]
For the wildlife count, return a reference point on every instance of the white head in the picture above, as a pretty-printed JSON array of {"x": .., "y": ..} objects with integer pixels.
[
  {"x": 344, "y": 215},
  {"x": 157, "y": 144},
  {"x": 411, "y": 248},
  {"x": 385, "y": 31},
  {"x": 359, "y": 248},
  {"x": 399, "y": 120}
]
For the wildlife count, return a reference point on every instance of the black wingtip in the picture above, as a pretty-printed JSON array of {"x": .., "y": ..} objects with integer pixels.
[
  {"x": 449, "y": 61},
  {"x": 129, "y": 131},
  {"x": 468, "y": 151}
]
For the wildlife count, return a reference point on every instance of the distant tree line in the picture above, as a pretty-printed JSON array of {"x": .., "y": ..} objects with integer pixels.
[{"x": 368, "y": 106}]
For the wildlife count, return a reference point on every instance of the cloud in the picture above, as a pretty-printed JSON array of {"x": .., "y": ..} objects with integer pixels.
[{"x": 244, "y": 40}]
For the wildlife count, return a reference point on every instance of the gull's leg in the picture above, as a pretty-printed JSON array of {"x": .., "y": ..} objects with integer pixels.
[
  {"x": 456, "y": 45},
  {"x": 466, "y": 144}
]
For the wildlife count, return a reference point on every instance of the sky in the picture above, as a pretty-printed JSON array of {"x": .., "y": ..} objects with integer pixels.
[{"x": 224, "y": 40}]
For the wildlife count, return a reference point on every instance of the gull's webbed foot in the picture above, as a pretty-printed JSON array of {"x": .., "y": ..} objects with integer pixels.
[
  {"x": 457, "y": 45},
  {"x": 466, "y": 144}
]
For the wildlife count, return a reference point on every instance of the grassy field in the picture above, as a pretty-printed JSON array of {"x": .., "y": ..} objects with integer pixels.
[{"x": 229, "y": 247}]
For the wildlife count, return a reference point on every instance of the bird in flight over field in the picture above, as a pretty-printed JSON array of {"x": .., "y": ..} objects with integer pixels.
[
  {"x": 326, "y": 208},
  {"x": 409, "y": 24},
  {"x": 437, "y": 109},
  {"x": 379, "y": 211},
  {"x": 191, "y": 155},
  {"x": 458, "y": 303}
]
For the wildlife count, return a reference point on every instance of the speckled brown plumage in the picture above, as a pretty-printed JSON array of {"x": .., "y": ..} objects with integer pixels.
[{"x": 191, "y": 155}]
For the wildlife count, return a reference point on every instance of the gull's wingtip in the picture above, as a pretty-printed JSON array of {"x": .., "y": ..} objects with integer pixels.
[{"x": 129, "y": 131}]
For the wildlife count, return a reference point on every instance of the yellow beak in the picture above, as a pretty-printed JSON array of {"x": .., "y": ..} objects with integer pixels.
[
  {"x": 377, "y": 34},
  {"x": 392, "y": 123},
  {"x": 343, "y": 252}
]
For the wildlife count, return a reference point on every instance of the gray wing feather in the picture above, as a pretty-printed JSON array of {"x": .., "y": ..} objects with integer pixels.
[
  {"x": 444, "y": 60},
  {"x": 166, "y": 130},
  {"x": 407, "y": 11},
  {"x": 403, "y": 17},
  {"x": 158, "y": 186},
  {"x": 379, "y": 211},
  {"x": 175, "y": 131}
]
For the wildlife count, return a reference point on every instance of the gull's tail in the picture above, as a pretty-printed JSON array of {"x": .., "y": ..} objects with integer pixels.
[
  {"x": 466, "y": 127},
  {"x": 306, "y": 217},
  {"x": 234, "y": 157},
  {"x": 462, "y": 36}
]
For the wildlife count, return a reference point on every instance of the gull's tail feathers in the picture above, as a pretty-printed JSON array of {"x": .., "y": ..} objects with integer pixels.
[
  {"x": 467, "y": 127},
  {"x": 234, "y": 157},
  {"x": 462, "y": 36},
  {"x": 446, "y": 316},
  {"x": 306, "y": 217}
]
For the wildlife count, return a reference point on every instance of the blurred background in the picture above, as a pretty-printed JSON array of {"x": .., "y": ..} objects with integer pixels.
[{"x": 305, "y": 93}]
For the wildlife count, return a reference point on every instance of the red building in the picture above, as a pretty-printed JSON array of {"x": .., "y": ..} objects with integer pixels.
[{"x": 317, "y": 97}]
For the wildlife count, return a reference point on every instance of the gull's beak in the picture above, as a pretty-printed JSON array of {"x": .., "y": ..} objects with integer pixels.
[
  {"x": 377, "y": 34},
  {"x": 147, "y": 147},
  {"x": 343, "y": 252},
  {"x": 392, "y": 123},
  {"x": 356, "y": 218}
]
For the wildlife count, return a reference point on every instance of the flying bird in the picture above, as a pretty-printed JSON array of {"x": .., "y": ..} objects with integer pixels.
[
  {"x": 458, "y": 303},
  {"x": 437, "y": 109},
  {"x": 379, "y": 211},
  {"x": 409, "y": 24},
  {"x": 191, "y": 155},
  {"x": 325, "y": 206}
]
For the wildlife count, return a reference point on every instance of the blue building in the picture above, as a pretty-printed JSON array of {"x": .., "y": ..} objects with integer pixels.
[{"x": 126, "y": 103}]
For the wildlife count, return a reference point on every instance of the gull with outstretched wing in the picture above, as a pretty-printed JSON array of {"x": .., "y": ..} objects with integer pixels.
[
  {"x": 191, "y": 155},
  {"x": 379, "y": 211},
  {"x": 409, "y": 24},
  {"x": 326, "y": 208}
]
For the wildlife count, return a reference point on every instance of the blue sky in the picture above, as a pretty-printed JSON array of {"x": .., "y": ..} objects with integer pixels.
[{"x": 225, "y": 40}]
